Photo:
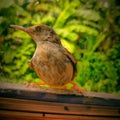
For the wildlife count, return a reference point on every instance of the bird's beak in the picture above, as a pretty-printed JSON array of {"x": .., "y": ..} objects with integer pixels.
[{"x": 19, "y": 27}]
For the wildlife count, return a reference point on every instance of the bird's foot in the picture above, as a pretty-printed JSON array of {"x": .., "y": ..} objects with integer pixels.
[{"x": 77, "y": 88}]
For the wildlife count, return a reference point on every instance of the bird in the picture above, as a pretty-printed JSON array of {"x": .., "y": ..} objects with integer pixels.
[{"x": 53, "y": 63}]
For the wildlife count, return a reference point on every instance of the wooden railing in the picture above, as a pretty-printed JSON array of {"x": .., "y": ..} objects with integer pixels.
[{"x": 18, "y": 102}]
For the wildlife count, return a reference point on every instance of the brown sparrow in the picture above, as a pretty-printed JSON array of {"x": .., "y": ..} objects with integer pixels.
[{"x": 51, "y": 61}]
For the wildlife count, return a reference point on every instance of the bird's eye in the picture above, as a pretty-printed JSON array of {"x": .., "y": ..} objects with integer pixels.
[{"x": 38, "y": 29}]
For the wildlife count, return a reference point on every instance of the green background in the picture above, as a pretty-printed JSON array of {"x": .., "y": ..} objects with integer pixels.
[{"x": 89, "y": 29}]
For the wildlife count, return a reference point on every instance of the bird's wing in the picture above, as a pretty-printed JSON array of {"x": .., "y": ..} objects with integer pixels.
[{"x": 73, "y": 61}]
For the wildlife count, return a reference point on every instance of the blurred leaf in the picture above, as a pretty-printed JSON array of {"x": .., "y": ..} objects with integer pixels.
[
  {"x": 82, "y": 28},
  {"x": 6, "y": 3},
  {"x": 89, "y": 14},
  {"x": 65, "y": 33},
  {"x": 65, "y": 14},
  {"x": 8, "y": 56}
]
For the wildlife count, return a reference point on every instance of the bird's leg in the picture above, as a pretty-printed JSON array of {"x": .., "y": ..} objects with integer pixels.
[{"x": 76, "y": 87}]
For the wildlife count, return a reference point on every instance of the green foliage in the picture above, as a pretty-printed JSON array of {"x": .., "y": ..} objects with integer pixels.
[
  {"x": 88, "y": 29},
  {"x": 97, "y": 73}
]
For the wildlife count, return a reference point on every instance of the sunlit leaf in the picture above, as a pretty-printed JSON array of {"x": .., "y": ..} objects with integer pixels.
[{"x": 69, "y": 46}]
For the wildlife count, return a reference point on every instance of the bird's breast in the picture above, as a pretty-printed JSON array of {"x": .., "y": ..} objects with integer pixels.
[{"x": 52, "y": 65}]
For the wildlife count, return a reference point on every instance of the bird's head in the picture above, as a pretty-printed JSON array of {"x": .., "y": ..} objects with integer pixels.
[{"x": 40, "y": 33}]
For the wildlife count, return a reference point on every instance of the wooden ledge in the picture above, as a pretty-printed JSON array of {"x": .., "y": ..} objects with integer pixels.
[
  {"x": 57, "y": 95},
  {"x": 30, "y": 103}
]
